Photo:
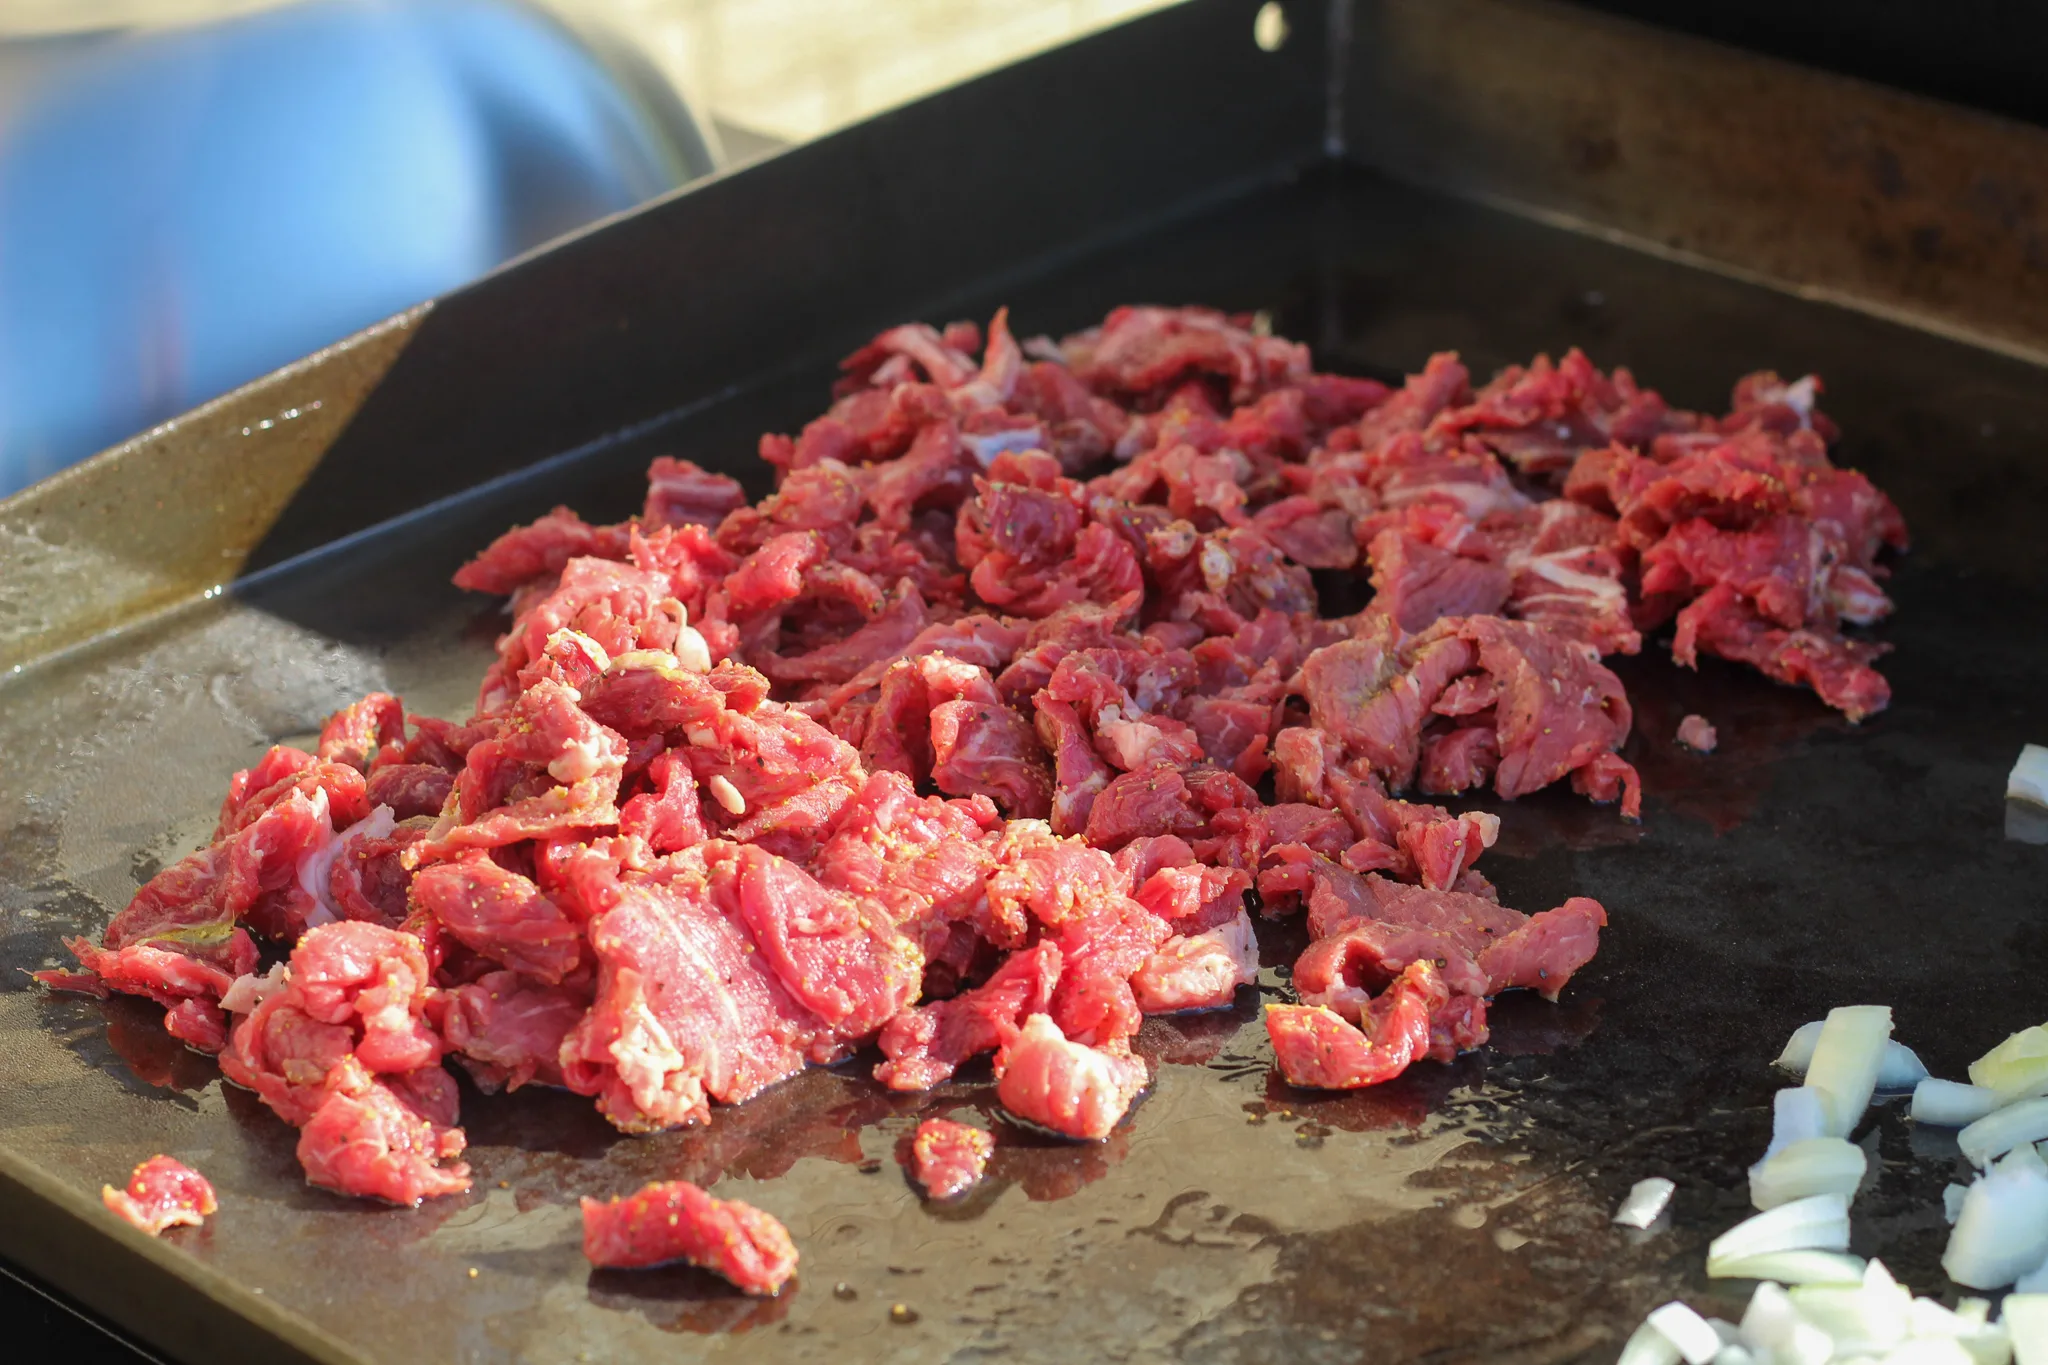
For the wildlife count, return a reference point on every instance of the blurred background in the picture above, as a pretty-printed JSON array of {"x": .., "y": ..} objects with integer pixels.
[{"x": 195, "y": 192}]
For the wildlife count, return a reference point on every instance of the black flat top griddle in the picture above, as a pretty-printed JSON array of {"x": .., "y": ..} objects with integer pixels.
[{"x": 1459, "y": 1213}]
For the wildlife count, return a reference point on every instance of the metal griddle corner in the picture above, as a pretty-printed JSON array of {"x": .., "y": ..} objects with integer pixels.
[{"x": 1498, "y": 177}]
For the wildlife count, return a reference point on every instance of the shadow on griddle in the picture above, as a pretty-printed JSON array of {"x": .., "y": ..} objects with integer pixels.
[
  {"x": 1522, "y": 1024},
  {"x": 1195, "y": 1039},
  {"x": 1402, "y": 1103},
  {"x": 682, "y": 1298},
  {"x": 1048, "y": 1168},
  {"x": 124, "y": 1037}
]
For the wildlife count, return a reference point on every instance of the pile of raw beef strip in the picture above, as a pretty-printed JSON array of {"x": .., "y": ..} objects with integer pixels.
[{"x": 987, "y": 731}]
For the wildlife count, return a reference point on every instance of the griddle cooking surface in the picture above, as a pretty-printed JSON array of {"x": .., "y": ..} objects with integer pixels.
[{"x": 1459, "y": 1213}]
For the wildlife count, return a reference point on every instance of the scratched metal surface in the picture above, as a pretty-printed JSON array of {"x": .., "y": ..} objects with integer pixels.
[{"x": 1458, "y": 1214}]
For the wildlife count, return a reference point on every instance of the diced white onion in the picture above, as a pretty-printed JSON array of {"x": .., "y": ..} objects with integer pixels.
[
  {"x": 1769, "y": 1316},
  {"x": 1645, "y": 1202},
  {"x": 1692, "y": 1335},
  {"x": 1968, "y": 1325},
  {"x": 2028, "y": 1157},
  {"x": 2028, "y": 780},
  {"x": 1852, "y": 1318},
  {"x": 2026, "y": 1322},
  {"x": 2035, "y": 1281},
  {"x": 1798, "y": 1053},
  {"x": 1952, "y": 1196},
  {"x": 2002, "y": 1232},
  {"x": 2001, "y": 1131},
  {"x": 1792, "y": 1267},
  {"x": 1817, "y": 1223},
  {"x": 1901, "y": 1068},
  {"x": 1951, "y": 1104},
  {"x": 1785, "y": 1338},
  {"x": 1932, "y": 1351},
  {"x": 1797, "y": 1115},
  {"x": 1888, "y": 1299},
  {"x": 2018, "y": 1067},
  {"x": 1932, "y": 1319},
  {"x": 1649, "y": 1347},
  {"x": 1734, "y": 1355},
  {"x": 1846, "y": 1061},
  {"x": 1825, "y": 1165}
]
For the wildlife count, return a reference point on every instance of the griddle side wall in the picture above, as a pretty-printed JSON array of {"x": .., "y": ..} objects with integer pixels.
[
  {"x": 1893, "y": 204},
  {"x": 806, "y": 255}
]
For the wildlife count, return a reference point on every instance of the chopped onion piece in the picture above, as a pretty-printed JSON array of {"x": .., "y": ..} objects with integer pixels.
[
  {"x": 1792, "y": 1267},
  {"x": 1798, "y": 1053},
  {"x": 2002, "y": 1232},
  {"x": 1846, "y": 1061},
  {"x": 1858, "y": 1322},
  {"x": 2026, "y": 1322},
  {"x": 1649, "y": 1347},
  {"x": 2003, "y": 1130},
  {"x": 1952, "y": 1196},
  {"x": 2035, "y": 1281},
  {"x": 1733, "y": 1354},
  {"x": 2018, "y": 1067},
  {"x": 1932, "y": 1319},
  {"x": 1932, "y": 1351},
  {"x": 1817, "y": 1223},
  {"x": 1692, "y": 1335},
  {"x": 1824, "y": 1165},
  {"x": 1901, "y": 1068},
  {"x": 1773, "y": 1329},
  {"x": 1951, "y": 1104},
  {"x": 1645, "y": 1203},
  {"x": 1968, "y": 1325},
  {"x": 1797, "y": 1114},
  {"x": 1888, "y": 1303},
  {"x": 2028, "y": 780},
  {"x": 2029, "y": 1157},
  {"x": 1769, "y": 1317},
  {"x": 1873, "y": 1316}
]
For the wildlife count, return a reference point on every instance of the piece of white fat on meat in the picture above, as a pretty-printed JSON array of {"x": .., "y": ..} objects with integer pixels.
[
  {"x": 1217, "y": 566},
  {"x": 1548, "y": 566},
  {"x": 578, "y": 760},
  {"x": 248, "y": 990},
  {"x": 986, "y": 447},
  {"x": 726, "y": 794},
  {"x": 316, "y": 868}
]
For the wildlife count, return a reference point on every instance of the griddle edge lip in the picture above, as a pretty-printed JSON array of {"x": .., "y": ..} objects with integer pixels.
[
  {"x": 145, "y": 1286},
  {"x": 71, "y": 1249}
]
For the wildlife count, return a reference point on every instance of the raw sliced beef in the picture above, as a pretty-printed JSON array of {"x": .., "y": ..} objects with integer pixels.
[
  {"x": 959, "y": 743},
  {"x": 1073, "y": 1089},
  {"x": 161, "y": 1193},
  {"x": 947, "y": 1158},
  {"x": 673, "y": 1220}
]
